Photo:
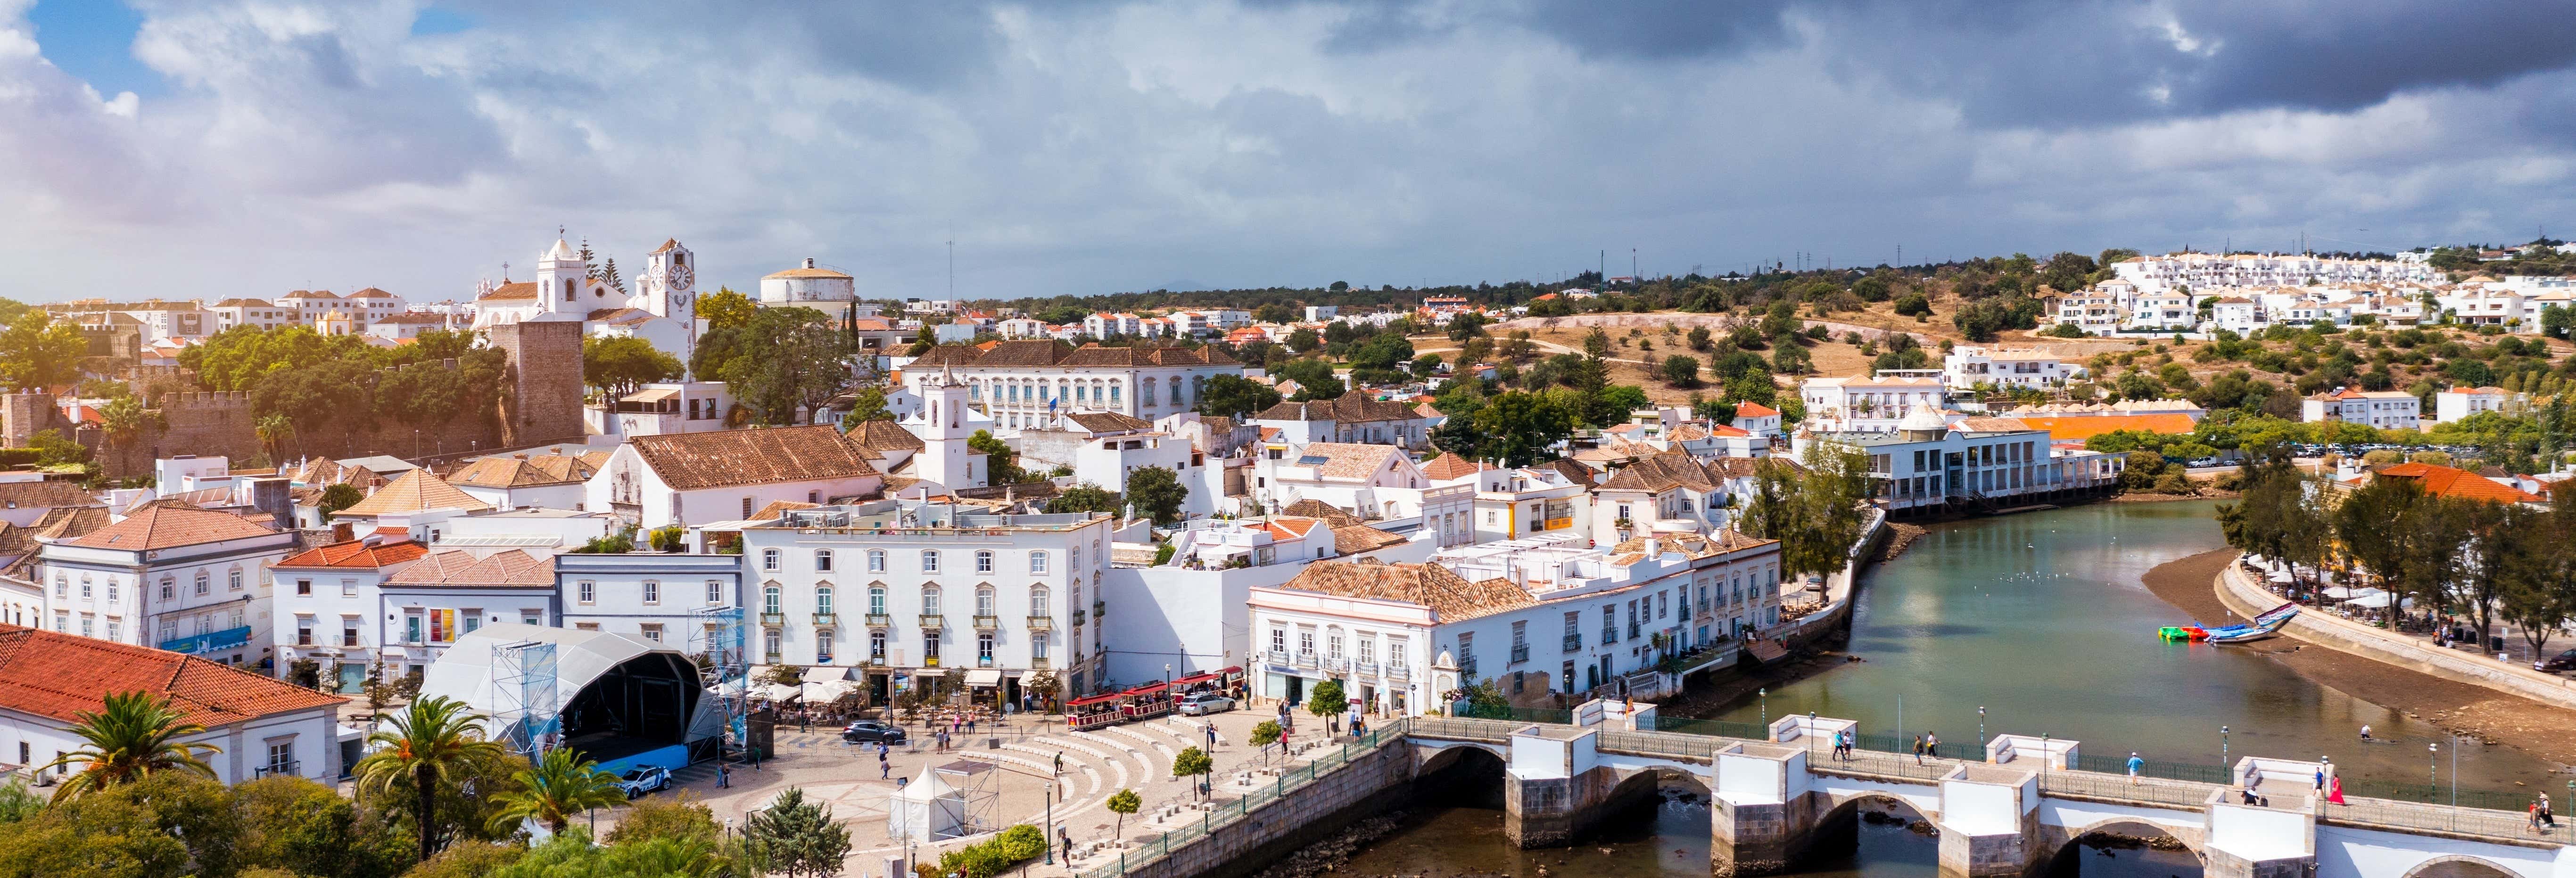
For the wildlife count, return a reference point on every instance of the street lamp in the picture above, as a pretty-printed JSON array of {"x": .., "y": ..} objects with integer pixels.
[
  {"x": 1981, "y": 727},
  {"x": 1765, "y": 694},
  {"x": 2432, "y": 763},
  {"x": 2222, "y": 748}
]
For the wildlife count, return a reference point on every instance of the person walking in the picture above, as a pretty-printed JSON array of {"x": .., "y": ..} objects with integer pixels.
[
  {"x": 1210, "y": 728},
  {"x": 885, "y": 769},
  {"x": 1918, "y": 749},
  {"x": 2546, "y": 818},
  {"x": 1932, "y": 745},
  {"x": 2136, "y": 765},
  {"x": 724, "y": 779},
  {"x": 1065, "y": 837},
  {"x": 2321, "y": 773}
]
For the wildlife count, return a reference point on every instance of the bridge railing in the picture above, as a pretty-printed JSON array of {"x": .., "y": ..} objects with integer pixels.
[
  {"x": 1717, "y": 728},
  {"x": 2463, "y": 820},
  {"x": 1696, "y": 748},
  {"x": 2118, "y": 788},
  {"x": 1227, "y": 813}
]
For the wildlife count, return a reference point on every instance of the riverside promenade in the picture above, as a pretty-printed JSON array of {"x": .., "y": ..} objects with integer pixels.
[{"x": 2246, "y": 597}]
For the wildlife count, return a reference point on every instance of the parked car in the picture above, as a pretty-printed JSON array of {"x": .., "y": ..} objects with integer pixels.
[
  {"x": 868, "y": 731},
  {"x": 2565, "y": 661},
  {"x": 648, "y": 779},
  {"x": 1204, "y": 703}
]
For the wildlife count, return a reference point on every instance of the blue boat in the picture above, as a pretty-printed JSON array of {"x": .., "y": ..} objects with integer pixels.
[{"x": 2262, "y": 626}]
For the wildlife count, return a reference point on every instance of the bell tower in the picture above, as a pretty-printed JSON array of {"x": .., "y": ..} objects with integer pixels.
[
  {"x": 560, "y": 272},
  {"x": 670, "y": 284},
  {"x": 944, "y": 424}
]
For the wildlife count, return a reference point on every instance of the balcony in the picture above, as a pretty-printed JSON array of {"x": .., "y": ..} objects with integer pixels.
[
  {"x": 287, "y": 768},
  {"x": 875, "y": 661},
  {"x": 1397, "y": 671},
  {"x": 1609, "y": 636},
  {"x": 930, "y": 661},
  {"x": 1079, "y": 616},
  {"x": 773, "y": 658},
  {"x": 1276, "y": 657},
  {"x": 210, "y": 641},
  {"x": 1041, "y": 623},
  {"x": 988, "y": 623},
  {"x": 933, "y": 621},
  {"x": 1632, "y": 630},
  {"x": 773, "y": 620},
  {"x": 984, "y": 661},
  {"x": 1337, "y": 665},
  {"x": 880, "y": 620},
  {"x": 1038, "y": 662},
  {"x": 1520, "y": 653},
  {"x": 1573, "y": 643},
  {"x": 1364, "y": 668},
  {"x": 1100, "y": 609},
  {"x": 823, "y": 658},
  {"x": 1305, "y": 659},
  {"x": 826, "y": 620},
  {"x": 1466, "y": 667}
]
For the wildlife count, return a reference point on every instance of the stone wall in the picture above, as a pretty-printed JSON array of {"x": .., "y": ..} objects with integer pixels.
[
  {"x": 25, "y": 414},
  {"x": 2316, "y": 626},
  {"x": 542, "y": 402},
  {"x": 1301, "y": 817}
]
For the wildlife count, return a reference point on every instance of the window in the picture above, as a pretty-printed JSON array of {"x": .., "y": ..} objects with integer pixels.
[
  {"x": 1333, "y": 643},
  {"x": 89, "y": 625},
  {"x": 984, "y": 647},
  {"x": 1037, "y": 562},
  {"x": 652, "y": 632},
  {"x": 769, "y": 642},
  {"x": 769, "y": 600},
  {"x": 1279, "y": 640},
  {"x": 281, "y": 756},
  {"x": 532, "y": 617},
  {"x": 822, "y": 560},
  {"x": 112, "y": 630},
  {"x": 984, "y": 602},
  {"x": 983, "y": 562},
  {"x": 473, "y": 620},
  {"x": 586, "y": 591},
  {"x": 715, "y": 592},
  {"x": 746, "y": 507},
  {"x": 1305, "y": 641},
  {"x": 304, "y": 631},
  {"x": 930, "y": 600},
  {"x": 63, "y": 621},
  {"x": 823, "y": 646},
  {"x": 203, "y": 581},
  {"x": 823, "y": 600},
  {"x": 411, "y": 629},
  {"x": 1395, "y": 651},
  {"x": 233, "y": 580},
  {"x": 1038, "y": 602},
  {"x": 61, "y": 583},
  {"x": 1367, "y": 644},
  {"x": 1038, "y": 646},
  {"x": 876, "y": 645},
  {"x": 769, "y": 559},
  {"x": 304, "y": 586},
  {"x": 1520, "y": 634},
  {"x": 876, "y": 600},
  {"x": 876, "y": 560},
  {"x": 348, "y": 588},
  {"x": 930, "y": 560},
  {"x": 86, "y": 593},
  {"x": 111, "y": 589},
  {"x": 930, "y": 644},
  {"x": 652, "y": 591}
]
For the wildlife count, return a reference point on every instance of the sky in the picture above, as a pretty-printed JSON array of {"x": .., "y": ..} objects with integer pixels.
[{"x": 223, "y": 148}]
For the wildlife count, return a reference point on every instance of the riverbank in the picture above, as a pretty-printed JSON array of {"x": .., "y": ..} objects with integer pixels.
[{"x": 2459, "y": 708}]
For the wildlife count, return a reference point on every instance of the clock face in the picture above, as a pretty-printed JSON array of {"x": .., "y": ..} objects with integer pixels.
[{"x": 680, "y": 277}]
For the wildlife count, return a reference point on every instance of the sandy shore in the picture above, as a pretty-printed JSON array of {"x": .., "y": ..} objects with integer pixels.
[{"x": 2469, "y": 711}]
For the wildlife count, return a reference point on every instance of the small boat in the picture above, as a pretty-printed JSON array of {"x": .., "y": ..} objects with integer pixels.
[
  {"x": 2262, "y": 626},
  {"x": 2182, "y": 632}
]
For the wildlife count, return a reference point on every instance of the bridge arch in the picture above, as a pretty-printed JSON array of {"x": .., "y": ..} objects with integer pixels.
[
  {"x": 2460, "y": 866},
  {"x": 1444, "y": 755},
  {"x": 1645, "y": 781},
  {"x": 2064, "y": 845}
]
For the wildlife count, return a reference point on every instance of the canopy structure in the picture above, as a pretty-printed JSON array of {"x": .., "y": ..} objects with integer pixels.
[
  {"x": 621, "y": 701},
  {"x": 2376, "y": 600},
  {"x": 984, "y": 677},
  {"x": 827, "y": 691}
]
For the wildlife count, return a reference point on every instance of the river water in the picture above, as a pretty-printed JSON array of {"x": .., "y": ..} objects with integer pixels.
[{"x": 2043, "y": 619}]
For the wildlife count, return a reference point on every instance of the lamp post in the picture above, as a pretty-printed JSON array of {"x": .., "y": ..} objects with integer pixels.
[
  {"x": 2222, "y": 748},
  {"x": 1981, "y": 727},
  {"x": 1765, "y": 694},
  {"x": 2433, "y": 764}
]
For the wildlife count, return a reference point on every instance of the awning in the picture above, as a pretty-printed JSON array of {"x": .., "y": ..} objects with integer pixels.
[
  {"x": 1148, "y": 689},
  {"x": 652, "y": 395},
  {"x": 1096, "y": 699},
  {"x": 1193, "y": 679},
  {"x": 984, "y": 677}
]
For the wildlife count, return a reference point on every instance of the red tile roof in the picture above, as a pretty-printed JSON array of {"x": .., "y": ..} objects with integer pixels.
[
  {"x": 776, "y": 455},
  {"x": 59, "y": 676},
  {"x": 163, "y": 527},
  {"x": 1754, "y": 410},
  {"x": 356, "y": 554},
  {"x": 2443, "y": 481}
]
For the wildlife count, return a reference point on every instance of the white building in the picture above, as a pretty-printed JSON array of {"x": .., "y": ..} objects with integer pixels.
[
  {"x": 261, "y": 313},
  {"x": 331, "y": 609},
  {"x": 517, "y": 481},
  {"x": 1378, "y": 484},
  {"x": 809, "y": 286},
  {"x": 662, "y": 599},
  {"x": 2455, "y": 404},
  {"x": 2204, "y": 270},
  {"x": 182, "y": 579},
  {"x": 2385, "y": 409},
  {"x": 1026, "y": 383},
  {"x": 1867, "y": 404},
  {"x": 663, "y": 408},
  {"x": 260, "y": 726},
  {"x": 928, "y": 589},
  {"x": 1932, "y": 462},
  {"x": 1104, "y": 448},
  {"x": 662, "y": 310},
  {"x": 1970, "y": 366},
  {"x": 701, "y": 477},
  {"x": 1350, "y": 417}
]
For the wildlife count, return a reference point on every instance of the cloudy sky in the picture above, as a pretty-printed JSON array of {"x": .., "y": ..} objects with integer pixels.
[{"x": 249, "y": 147}]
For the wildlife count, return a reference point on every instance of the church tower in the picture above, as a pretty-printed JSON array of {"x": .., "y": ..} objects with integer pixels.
[
  {"x": 944, "y": 424},
  {"x": 669, "y": 286},
  {"x": 560, "y": 275}
]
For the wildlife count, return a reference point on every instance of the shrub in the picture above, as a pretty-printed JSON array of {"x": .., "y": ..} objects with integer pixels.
[
  {"x": 995, "y": 854},
  {"x": 2173, "y": 482}
]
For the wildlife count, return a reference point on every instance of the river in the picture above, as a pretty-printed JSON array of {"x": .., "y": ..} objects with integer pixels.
[{"x": 2041, "y": 618}]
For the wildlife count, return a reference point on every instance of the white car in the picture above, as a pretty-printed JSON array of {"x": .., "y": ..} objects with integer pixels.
[
  {"x": 1205, "y": 703},
  {"x": 648, "y": 779}
]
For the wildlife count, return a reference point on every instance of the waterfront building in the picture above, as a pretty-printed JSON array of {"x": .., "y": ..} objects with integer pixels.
[
  {"x": 2384, "y": 409},
  {"x": 180, "y": 578},
  {"x": 917, "y": 588},
  {"x": 1933, "y": 463},
  {"x": 1672, "y": 492},
  {"x": 1871, "y": 404}
]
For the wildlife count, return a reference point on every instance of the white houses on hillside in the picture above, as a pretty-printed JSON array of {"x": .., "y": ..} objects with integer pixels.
[
  {"x": 1968, "y": 367},
  {"x": 183, "y": 579},
  {"x": 2385, "y": 409}
]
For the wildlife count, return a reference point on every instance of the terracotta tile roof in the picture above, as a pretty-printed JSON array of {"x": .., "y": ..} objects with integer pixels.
[
  {"x": 726, "y": 458},
  {"x": 511, "y": 569},
  {"x": 1348, "y": 408},
  {"x": 1696, "y": 545},
  {"x": 1109, "y": 422},
  {"x": 777, "y": 508},
  {"x": 1450, "y": 466},
  {"x": 885, "y": 436},
  {"x": 356, "y": 554},
  {"x": 805, "y": 272},
  {"x": 61, "y": 676},
  {"x": 2443, "y": 481},
  {"x": 413, "y": 492},
  {"x": 70, "y": 522},
  {"x": 15, "y": 540},
  {"x": 1346, "y": 460},
  {"x": 1572, "y": 471},
  {"x": 169, "y": 527},
  {"x": 520, "y": 290},
  {"x": 511, "y": 472},
  {"x": 668, "y": 245},
  {"x": 44, "y": 495},
  {"x": 1449, "y": 595},
  {"x": 1318, "y": 509},
  {"x": 1286, "y": 528},
  {"x": 1357, "y": 538},
  {"x": 2088, "y": 426},
  {"x": 1754, "y": 410}
]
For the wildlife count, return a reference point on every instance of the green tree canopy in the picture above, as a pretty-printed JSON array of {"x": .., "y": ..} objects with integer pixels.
[
  {"x": 786, "y": 358},
  {"x": 726, "y": 309},
  {"x": 1234, "y": 396},
  {"x": 1158, "y": 492},
  {"x": 38, "y": 352},
  {"x": 1327, "y": 699},
  {"x": 1001, "y": 464},
  {"x": 618, "y": 365},
  {"x": 1816, "y": 515},
  {"x": 1315, "y": 379}
]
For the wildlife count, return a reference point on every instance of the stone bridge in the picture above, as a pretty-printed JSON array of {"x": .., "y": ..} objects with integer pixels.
[{"x": 2008, "y": 813}]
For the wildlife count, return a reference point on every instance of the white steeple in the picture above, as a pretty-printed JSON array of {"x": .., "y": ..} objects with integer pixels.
[
  {"x": 944, "y": 424},
  {"x": 560, "y": 272}
]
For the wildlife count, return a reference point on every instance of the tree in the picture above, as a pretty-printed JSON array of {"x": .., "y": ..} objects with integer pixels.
[
  {"x": 1596, "y": 344},
  {"x": 1001, "y": 464},
  {"x": 132, "y": 736},
  {"x": 800, "y": 836},
  {"x": 1191, "y": 762},
  {"x": 726, "y": 309},
  {"x": 1468, "y": 324},
  {"x": 2540, "y": 571},
  {"x": 559, "y": 785},
  {"x": 1084, "y": 497},
  {"x": 1515, "y": 426},
  {"x": 1123, "y": 803},
  {"x": 339, "y": 496},
  {"x": 168, "y": 824},
  {"x": 1234, "y": 396},
  {"x": 1304, "y": 341},
  {"x": 430, "y": 741},
  {"x": 54, "y": 449},
  {"x": 1913, "y": 305},
  {"x": 786, "y": 359},
  {"x": 124, "y": 420},
  {"x": 294, "y": 825},
  {"x": 1327, "y": 699},
  {"x": 618, "y": 365},
  {"x": 37, "y": 353},
  {"x": 1158, "y": 492},
  {"x": 1816, "y": 515},
  {"x": 1264, "y": 734},
  {"x": 1681, "y": 371},
  {"x": 1315, "y": 379},
  {"x": 272, "y": 431}
]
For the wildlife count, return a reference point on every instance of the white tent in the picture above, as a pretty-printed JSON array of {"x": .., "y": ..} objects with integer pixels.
[
  {"x": 777, "y": 692},
  {"x": 2375, "y": 600},
  {"x": 465, "y": 672},
  {"x": 827, "y": 691},
  {"x": 926, "y": 810},
  {"x": 2341, "y": 593}
]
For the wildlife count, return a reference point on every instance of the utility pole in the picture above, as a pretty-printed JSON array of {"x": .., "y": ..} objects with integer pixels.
[{"x": 952, "y": 267}]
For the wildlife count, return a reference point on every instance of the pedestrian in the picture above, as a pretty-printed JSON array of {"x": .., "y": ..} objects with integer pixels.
[
  {"x": 1065, "y": 836},
  {"x": 885, "y": 769},
  {"x": 2532, "y": 814},
  {"x": 2321, "y": 773},
  {"x": 1059, "y": 762},
  {"x": 724, "y": 780},
  {"x": 970, "y": 726},
  {"x": 1932, "y": 745},
  {"x": 2135, "y": 765},
  {"x": 1211, "y": 736},
  {"x": 2546, "y": 818}
]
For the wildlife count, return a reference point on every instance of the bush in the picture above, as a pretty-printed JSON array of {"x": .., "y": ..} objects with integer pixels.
[
  {"x": 2173, "y": 482},
  {"x": 1913, "y": 305},
  {"x": 995, "y": 854},
  {"x": 1680, "y": 371}
]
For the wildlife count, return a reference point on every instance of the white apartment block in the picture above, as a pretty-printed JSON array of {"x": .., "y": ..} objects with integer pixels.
[
  {"x": 186, "y": 580},
  {"x": 2385, "y": 409},
  {"x": 1972, "y": 366},
  {"x": 2201, "y": 270},
  {"x": 672, "y": 600},
  {"x": 2163, "y": 310},
  {"x": 1026, "y": 383},
  {"x": 900, "y": 586},
  {"x": 1868, "y": 404},
  {"x": 1934, "y": 461},
  {"x": 2100, "y": 309},
  {"x": 2456, "y": 404}
]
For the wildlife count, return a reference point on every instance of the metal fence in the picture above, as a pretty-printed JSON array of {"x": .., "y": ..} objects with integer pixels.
[
  {"x": 2438, "y": 795},
  {"x": 1552, "y": 715},
  {"x": 2465, "y": 820},
  {"x": 1718, "y": 728},
  {"x": 1227, "y": 813},
  {"x": 2119, "y": 788},
  {"x": 2213, "y": 774}
]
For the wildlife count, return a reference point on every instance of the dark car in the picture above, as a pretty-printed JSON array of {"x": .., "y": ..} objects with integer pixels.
[
  {"x": 2565, "y": 661},
  {"x": 868, "y": 731}
]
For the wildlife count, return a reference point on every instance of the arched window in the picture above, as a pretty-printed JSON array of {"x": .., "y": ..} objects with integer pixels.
[
  {"x": 1037, "y": 562},
  {"x": 823, "y": 599},
  {"x": 876, "y": 560},
  {"x": 823, "y": 560},
  {"x": 983, "y": 561},
  {"x": 769, "y": 600},
  {"x": 876, "y": 600},
  {"x": 1176, "y": 390},
  {"x": 930, "y": 600},
  {"x": 769, "y": 559},
  {"x": 1038, "y": 601},
  {"x": 1147, "y": 394},
  {"x": 984, "y": 602},
  {"x": 1113, "y": 393},
  {"x": 202, "y": 581},
  {"x": 930, "y": 560}
]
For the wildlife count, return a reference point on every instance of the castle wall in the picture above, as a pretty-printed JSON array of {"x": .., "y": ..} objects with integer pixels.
[{"x": 543, "y": 399}]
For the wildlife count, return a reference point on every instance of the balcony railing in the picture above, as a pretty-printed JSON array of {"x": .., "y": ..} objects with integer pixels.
[
  {"x": 1632, "y": 630},
  {"x": 827, "y": 619},
  {"x": 773, "y": 620},
  {"x": 1277, "y": 657},
  {"x": 983, "y": 661},
  {"x": 1041, "y": 623},
  {"x": 930, "y": 661},
  {"x": 773, "y": 658},
  {"x": 303, "y": 637},
  {"x": 289, "y": 768},
  {"x": 876, "y": 661},
  {"x": 880, "y": 620},
  {"x": 210, "y": 641},
  {"x": 988, "y": 623},
  {"x": 1080, "y": 616},
  {"x": 1100, "y": 609},
  {"x": 350, "y": 640},
  {"x": 1398, "y": 671},
  {"x": 1338, "y": 665},
  {"x": 1038, "y": 661},
  {"x": 1305, "y": 659},
  {"x": 1364, "y": 668},
  {"x": 1466, "y": 667},
  {"x": 931, "y": 620},
  {"x": 1609, "y": 635},
  {"x": 1573, "y": 642},
  {"x": 1520, "y": 652}
]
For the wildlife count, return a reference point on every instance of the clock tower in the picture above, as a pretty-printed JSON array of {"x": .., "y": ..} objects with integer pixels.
[{"x": 669, "y": 288}]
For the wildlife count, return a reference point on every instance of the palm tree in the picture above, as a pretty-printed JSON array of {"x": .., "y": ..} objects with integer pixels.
[
  {"x": 428, "y": 741},
  {"x": 272, "y": 430},
  {"x": 135, "y": 736},
  {"x": 560, "y": 785}
]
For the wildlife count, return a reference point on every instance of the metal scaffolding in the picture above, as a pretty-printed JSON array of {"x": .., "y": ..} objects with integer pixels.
[
  {"x": 971, "y": 792},
  {"x": 718, "y": 637},
  {"x": 523, "y": 683}
]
